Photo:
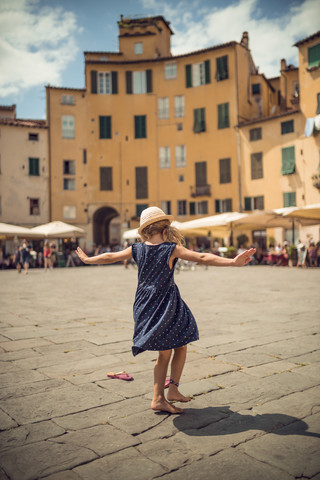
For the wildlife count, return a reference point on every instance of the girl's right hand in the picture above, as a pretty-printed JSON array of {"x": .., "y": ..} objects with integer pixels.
[{"x": 83, "y": 257}]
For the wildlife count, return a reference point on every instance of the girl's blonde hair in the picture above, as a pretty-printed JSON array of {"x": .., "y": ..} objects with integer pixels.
[{"x": 169, "y": 233}]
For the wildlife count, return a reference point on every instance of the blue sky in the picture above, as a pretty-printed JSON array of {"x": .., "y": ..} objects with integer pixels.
[{"x": 42, "y": 41}]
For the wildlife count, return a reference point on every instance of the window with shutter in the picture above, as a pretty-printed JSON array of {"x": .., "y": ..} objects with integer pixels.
[
  {"x": 288, "y": 161},
  {"x": 201, "y": 174},
  {"x": 223, "y": 206},
  {"x": 255, "y": 134},
  {"x": 114, "y": 81},
  {"x": 140, "y": 207},
  {"x": 222, "y": 68},
  {"x": 34, "y": 204},
  {"x": 140, "y": 127},
  {"x": 179, "y": 106},
  {"x": 34, "y": 167},
  {"x": 170, "y": 71},
  {"x": 141, "y": 182},
  {"x": 163, "y": 108},
  {"x": 258, "y": 202},
  {"x": 318, "y": 104},
  {"x": 256, "y": 89},
  {"x": 129, "y": 81},
  {"x": 180, "y": 156},
  {"x": 225, "y": 170},
  {"x": 287, "y": 127},
  {"x": 192, "y": 208},
  {"x": 68, "y": 126},
  {"x": 248, "y": 203},
  {"x": 223, "y": 115},
  {"x": 289, "y": 199},
  {"x": 166, "y": 206},
  {"x": 256, "y": 166},
  {"x": 164, "y": 157},
  {"x": 105, "y": 127},
  {"x": 69, "y": 167},
  {"x": 314, "y": 55},
  {"x": 182, "y": 207},
  {"x": 93, "y": 75},
  {"x": 188, "y": 76},
  {"x": 199, "y": 124},
  {"x": 207, "y": 71},
  {"x": 149, "y": 81},
  {"x": 106, "y": 178}
]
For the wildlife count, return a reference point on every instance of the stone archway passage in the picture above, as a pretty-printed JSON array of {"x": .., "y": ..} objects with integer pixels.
[{"x": 101, "y": 225}]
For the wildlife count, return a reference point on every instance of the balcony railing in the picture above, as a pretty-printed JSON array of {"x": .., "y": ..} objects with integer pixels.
[{"x": 200, "y": 190}]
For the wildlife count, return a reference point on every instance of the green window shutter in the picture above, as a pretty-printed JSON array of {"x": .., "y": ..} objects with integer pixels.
[
  {"x": 141, "y": 182},
  {"x": 203, "y": 119},
  {"x": 314, "y": 55},
  {"x": 222, "y": 68},
  {"x": 207, "y": 71},
  {"x": 149, "y": 81},
  {"x": 196, "y": 123},
  {"x": 201, "y": 174},
  {"x": 188, "y": 76},
  {"x": 225, "y": 170},
  {"x": 34, "y": 166},
  {"x": 247, "y": 203},
  {"x": 287, "y": 127},
  {"x": 199, "y": 120},
  {"x": 140, "y": 127},
  {"x": 217, "y": 203},
  {"x": 105, "y": 127},
  {"x": 223, "y": 115},
  {"x": 192, "y": 208},
  {"x": 114, "y": 81},
  {"x": 318, "y": 104},
  {"x": 129, "y": 81},
  {"x": 93, "y": 75},
  {"x": 289, "y": 199},
  {"x": 288, "y": 161}
]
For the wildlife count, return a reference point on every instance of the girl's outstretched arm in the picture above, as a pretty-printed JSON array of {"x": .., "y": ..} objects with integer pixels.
[
  {"x": 213, "y": 260},
  {"x": 105, "y": 258}
]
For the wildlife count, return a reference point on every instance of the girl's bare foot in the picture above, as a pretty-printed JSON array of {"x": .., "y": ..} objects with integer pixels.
[
  {"x": 176, "y": 396},
  {"x": 164, "y": 406}
]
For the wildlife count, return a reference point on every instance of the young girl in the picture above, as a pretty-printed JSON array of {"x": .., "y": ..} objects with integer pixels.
[{"x": 163, "y": 322}]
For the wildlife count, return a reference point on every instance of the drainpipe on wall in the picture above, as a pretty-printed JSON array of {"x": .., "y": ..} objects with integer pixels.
[
  {"x": 49, "y": 154},
  {"x": 239, "y": 169}
]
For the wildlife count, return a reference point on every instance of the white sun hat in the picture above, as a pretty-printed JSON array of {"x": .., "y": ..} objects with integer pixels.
[{"x": 152, "y": 215}]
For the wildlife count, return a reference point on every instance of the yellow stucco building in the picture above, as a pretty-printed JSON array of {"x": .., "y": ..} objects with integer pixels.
[{"x": 180, "y": 132}]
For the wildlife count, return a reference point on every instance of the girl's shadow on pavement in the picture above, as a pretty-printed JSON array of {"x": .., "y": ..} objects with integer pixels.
[{"x": 214, "y": 421}]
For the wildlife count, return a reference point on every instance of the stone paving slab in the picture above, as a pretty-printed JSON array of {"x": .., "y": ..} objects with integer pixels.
[{"x": 254, "y": 376}]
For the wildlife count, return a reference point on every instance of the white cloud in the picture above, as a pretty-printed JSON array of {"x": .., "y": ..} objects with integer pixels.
[
  {"x": 36, "y": 44},
  {"x": 270, "y": 39}
]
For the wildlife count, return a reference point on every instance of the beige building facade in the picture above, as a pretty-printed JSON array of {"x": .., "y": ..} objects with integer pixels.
[
  {"x": 23, "y": 170},
  {"x": 150, "y": 128}
]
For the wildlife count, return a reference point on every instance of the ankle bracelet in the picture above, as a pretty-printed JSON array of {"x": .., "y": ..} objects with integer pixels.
[{"x": 174, "y": 383}]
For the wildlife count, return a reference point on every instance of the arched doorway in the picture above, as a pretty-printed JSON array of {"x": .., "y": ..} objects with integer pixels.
[{"x": 102, "y": 234}]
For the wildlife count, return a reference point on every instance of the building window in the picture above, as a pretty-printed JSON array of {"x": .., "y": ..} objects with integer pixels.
[
  {"x": 198, "y": 208},
  {"x": 140, "y": 208},
  {"x": 289, "y": 199},
  {"x": 181, "y": 178},
  {"x": 198, "y": 74},
  {"x": 287, "y": 127},
  {"x": 223, "y": 206},
  {"x": 254, "y": 203},
  {"x": 33, "y": 137},
  {"x": 163, "y": 108},
  {"x": 140, "y": 127},
  {"x": 256, "y": 166},
  {"x": 67, "y": 99},
  {"x": 225, "y": 170},
  {"x": 139, "y": 82},
  {"x": 104, "y": 82},
  {"x": 69, "y": 167},
  {"x": 104, "y": 85},
  {"x": 182, "y": 207},
  {"x": 256, "y": 89},
  {"x": 223, "y": 115},
  {"x": 180, "y": 156},
  {"x": 138, "y": 48},
  {"x": 69, "y": 212},
  {"x": 201, "y": 174},
  {"x": 222, "y": 68},
  {"x": 34, "y": 167},
  {"x": 166, "y": 207},
  {"x": 179, "y": 106},
  {"x": 106, "y": 178},
  {"x": 141, "y": 182},
  {"x": 179, "y": 126},
  {"x": 164, "y": 154},
  {"x": 170, "y": 70},
  {"x": 84, "y": 158},
  {"x": 288, "y": 161},
  {"x": 255, "y": 134},
  {"x": 199, "y": 120},
  {"x": 69, "y": 184},
  {"x": 105, "y": 127},
  {"x": 314, "y": 55},
  {"x": 34, "y": 204},
  {"x": 68, "y": 126}
]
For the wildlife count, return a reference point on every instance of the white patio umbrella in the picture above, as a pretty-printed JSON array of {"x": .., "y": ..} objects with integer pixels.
[
  {"x": 308, "y": 212},
  {"x": 215, "y": 222},
  {"x": 133, "y": 234},
  {"x": 261, "y": 219},
  {"x": 59, "y": 230},
  {"x": 8, "y": 230}
]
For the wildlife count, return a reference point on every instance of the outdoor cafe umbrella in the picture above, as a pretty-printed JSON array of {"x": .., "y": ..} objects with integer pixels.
[
  {"x": 261, "y": 219},
  {"x": 308, "y": 212},
  {"x": 8, "y": 230},
  {"x": 59, "y": 230}
]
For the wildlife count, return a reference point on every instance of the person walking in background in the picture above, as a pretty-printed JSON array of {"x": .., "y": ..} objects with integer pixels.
[
  {"x": 313, "y": 254},
  {"x": 25, "y": 253},
  {"x": 162, "y": 320},
  {"x": 18, "y": 258},
  {"x": 47, "y": 255}
]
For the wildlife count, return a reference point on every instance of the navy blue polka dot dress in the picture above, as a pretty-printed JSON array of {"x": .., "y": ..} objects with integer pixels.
[{"x": 162, "y": 319}]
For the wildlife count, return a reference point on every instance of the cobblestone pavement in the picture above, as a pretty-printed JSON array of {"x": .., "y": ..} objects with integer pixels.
[{"x": 254, "y": 377}]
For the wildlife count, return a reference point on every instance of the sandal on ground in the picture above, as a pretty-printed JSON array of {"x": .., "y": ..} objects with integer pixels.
[{"x": 120, "y": 375}]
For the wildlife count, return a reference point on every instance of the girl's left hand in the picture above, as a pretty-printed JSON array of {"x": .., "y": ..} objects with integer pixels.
[
  {"x": 83, "y": 257},
  {"x": 244, "y": 257}
]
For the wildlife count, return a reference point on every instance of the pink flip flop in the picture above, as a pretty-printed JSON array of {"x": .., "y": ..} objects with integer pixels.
[{"x": 120, "y": 375}]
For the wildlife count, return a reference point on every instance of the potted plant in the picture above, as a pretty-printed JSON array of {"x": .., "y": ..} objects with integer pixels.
[{"x": 293, "y": 255}]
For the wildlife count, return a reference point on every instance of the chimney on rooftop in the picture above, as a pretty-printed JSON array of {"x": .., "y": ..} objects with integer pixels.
[{"x": 245, "y": 40}]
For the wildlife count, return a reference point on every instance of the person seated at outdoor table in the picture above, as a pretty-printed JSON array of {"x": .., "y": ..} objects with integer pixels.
[
  {"x": 313, "y": 254},
  {"x": 272, "y": 255},
  {"x": 302, "y": 255}
]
